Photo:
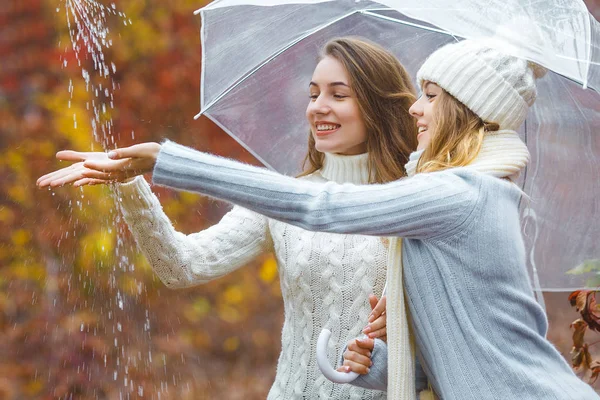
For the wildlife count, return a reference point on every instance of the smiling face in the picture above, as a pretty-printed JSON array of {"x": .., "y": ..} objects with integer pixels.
[
  {"x": 423, "y": 111},
  {"x": 333, "y": 112}
]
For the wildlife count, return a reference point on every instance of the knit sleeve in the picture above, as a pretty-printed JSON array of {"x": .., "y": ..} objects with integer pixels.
[
  {"x": 426, "y": 205},
  {"x": 184, "y": 260},
  {"x": 377, "y": 378}
]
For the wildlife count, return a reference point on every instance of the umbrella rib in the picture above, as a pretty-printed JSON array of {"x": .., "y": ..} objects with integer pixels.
[
  {"x": 241, "y": 142},
  {"x": 384, "y": 17},
  {"x": 273, "y": 56}
]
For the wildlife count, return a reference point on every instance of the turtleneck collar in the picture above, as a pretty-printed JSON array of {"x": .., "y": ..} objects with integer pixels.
[{"x": 346, "y": 169}]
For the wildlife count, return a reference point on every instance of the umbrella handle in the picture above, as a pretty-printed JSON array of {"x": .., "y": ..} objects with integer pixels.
[{"x": 323, "y": 362}]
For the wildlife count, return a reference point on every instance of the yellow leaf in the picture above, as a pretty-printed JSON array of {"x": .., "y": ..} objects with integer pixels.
[
  {"x": 28, "y": 271},
  {"x": 98, "y": 244},
  {"x": 197, "y": 310},
  {"x": 20, "y": 237},
  {"x": 268, "y": 270},
  {"x": 7, "y": 216},
  {"x": 46, "y": 148},
  {"x": 188, "y": 198},
  {"x": 233, "y": 295},
  {"x": 4, "y": 252},
  {"x": 231, "y": 344},
  {"x": 18, "y": 194},
  {"x": 229, "y": 314},
  {"x": 15, "y": 160},
  {"x": 34, "y": 387},
  {"x": 130, "y": 285}
]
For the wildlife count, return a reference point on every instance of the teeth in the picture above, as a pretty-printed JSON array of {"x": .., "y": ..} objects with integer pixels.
[
  {"x": 422, "y": 129},
  {"x": 326, "y": 127}
]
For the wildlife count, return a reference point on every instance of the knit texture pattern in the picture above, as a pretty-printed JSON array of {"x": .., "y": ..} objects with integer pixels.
[
  {"x": 496, "y": 86},
  {"x": 325, "y": 278},
  {"x": 401, "y": 373},
  {"x": 478, "y": 328}
]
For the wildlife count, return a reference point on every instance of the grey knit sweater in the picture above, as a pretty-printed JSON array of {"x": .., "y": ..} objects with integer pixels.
[{"x": 479, "y": 330}]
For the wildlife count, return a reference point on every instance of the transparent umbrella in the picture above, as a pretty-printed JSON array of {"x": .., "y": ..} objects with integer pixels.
[{"x": 258, "y": 57}]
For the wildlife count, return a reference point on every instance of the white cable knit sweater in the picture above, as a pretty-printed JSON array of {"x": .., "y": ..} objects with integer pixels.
[{"x": 325, "y": 278}]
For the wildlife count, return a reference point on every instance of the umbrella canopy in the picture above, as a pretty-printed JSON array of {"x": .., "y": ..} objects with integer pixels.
[{"x": 258, "y": 58}]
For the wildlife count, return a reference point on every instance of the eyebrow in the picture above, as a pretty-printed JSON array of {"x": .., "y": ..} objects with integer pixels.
[
  {"x": 331, "y": 84},
  {"x": 427, "y": 84}
]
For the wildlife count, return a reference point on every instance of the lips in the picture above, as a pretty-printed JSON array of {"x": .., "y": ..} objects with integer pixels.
[
  {"x": 326, "y": 128},
  {"x": 422, "y": 129}
]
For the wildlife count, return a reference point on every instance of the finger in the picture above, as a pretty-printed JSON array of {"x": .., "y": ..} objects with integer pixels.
[
  {"x": 377, "y": 324},
  {"x": 344, "y": 368},
  {"x": 48, "y": 179},
  {"x": 74, "y": 176},
  {"x": 368, "y": 344},
  {"x": 109, "y": 165},
  {"x": 357, "y": 358},
  {"x": 373, "y": 301},
  {"x": 378, "y": 333},
  {"x": 92, "y": 173},
  {"x": 358, "y": 349},
  {"x": 140, "y": 150},
  {"x": 45, "y": 180},
  {"x": 378, "y": 310},
  {"x": 70, "y": 155},
  {"x": 356, "y": 367},
  {"x": 90, "y": 182}
]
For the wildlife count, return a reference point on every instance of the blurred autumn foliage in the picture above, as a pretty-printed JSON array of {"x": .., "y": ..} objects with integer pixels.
[
  {"x": 81, "y": 314},
  {"x": 584, "y": 302}
]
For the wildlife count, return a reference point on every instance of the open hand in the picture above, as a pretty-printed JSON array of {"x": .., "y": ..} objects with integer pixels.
[{"x": 93, "y": 168}]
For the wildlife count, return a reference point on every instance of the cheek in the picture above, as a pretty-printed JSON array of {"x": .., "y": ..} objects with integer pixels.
[
  {"x": 428, "y": 111},
  {"x": 353, "y": 117}
]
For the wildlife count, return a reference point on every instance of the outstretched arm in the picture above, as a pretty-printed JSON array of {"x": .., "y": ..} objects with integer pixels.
[
  {"x": 179, "y": 260},
  {"x": 182, "y": 260},
  {"x": 426, "y": 205}
]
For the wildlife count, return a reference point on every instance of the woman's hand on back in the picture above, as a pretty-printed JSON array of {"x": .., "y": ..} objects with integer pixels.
[{"x": 92, "y": 168}]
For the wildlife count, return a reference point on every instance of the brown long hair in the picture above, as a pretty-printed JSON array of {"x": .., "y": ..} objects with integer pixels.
[
  {"x": 384, "y": 93},
  {"x": 457, "y": 138}
]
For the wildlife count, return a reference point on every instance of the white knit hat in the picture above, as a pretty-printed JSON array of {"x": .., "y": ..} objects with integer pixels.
[{"x": 495, "y": 86}]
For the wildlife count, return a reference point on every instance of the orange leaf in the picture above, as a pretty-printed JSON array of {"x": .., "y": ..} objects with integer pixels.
[
  {"x": 595, "y": 366},
  {"x": 580, "y": 326},
  {"x": 581, "y": 358}
]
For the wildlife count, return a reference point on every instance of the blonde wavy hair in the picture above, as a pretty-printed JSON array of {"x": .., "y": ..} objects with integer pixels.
[
  {"x": 384, "y": 94},
  {"x": 457, "y": 138}
]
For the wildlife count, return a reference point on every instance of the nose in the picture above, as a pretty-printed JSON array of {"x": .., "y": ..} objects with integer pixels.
[
  {"x": 416, "y": 110},
  {"x": 319, "y": 106}
]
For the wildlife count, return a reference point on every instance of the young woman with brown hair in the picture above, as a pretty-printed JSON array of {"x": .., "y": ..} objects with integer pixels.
[{"x": 360, "y": 133}]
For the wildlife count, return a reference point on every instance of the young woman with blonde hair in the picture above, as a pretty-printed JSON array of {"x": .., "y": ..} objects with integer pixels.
[{"x": 360, "y": 133}]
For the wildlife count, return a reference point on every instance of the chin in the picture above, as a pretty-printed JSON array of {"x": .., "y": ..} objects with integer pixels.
[{"x": 323, "y": 148}]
